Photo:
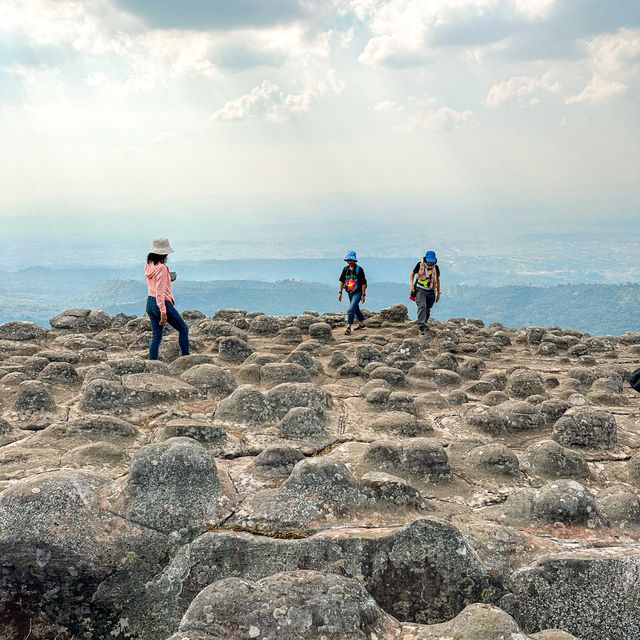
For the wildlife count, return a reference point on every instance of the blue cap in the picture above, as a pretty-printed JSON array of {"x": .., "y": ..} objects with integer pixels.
[
  {"x": 351, "y": 256},
  {"x": 430, "y": 256}
]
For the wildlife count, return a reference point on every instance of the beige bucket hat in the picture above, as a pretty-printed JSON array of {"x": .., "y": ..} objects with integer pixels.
[{"x": 161, "y": 247}]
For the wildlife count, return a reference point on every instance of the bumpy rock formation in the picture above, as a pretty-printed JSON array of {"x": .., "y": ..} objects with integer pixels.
[{"x": 286, "y": 481}]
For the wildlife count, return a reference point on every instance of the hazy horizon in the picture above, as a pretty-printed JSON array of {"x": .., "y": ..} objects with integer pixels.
[{"x": 122, "y": 103}]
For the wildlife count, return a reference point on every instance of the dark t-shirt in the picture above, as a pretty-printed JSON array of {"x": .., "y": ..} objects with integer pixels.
[
  {"x": 353, "y": 280},
  {"x": 416, "y": 270}
]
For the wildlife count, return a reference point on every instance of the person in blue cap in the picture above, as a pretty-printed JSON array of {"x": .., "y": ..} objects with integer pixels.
[
  {"x": 354, "y": 281},
  {"x": 425, "y": 287}
]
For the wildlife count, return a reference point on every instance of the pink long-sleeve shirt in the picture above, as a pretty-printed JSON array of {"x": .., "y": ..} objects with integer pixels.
[{"x": 159, "y": 284}]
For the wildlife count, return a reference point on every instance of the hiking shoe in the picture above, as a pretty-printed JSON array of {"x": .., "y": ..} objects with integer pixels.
[
  {"x": 360, "y": 327},
  {"x": 422, "y": 331},
  {"x": 348, "y": 331}
]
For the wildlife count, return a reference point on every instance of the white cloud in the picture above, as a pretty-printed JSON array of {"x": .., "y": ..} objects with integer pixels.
[
  {"x": 41, "y": 84},
  {"x": 61, "y": 23},
  {"x": 408, "y": 32},
  {"x": 125, "y": 57},
  {"x": 522, "y": 90},
  {"x": 269, "y": 102},
  {"x": 614, "y": 63},
  {"x": 610, "y": 62},
  {"x": 387, "y": 106},
  {"x": 613, "y": 52},
  {"x": 533, "y": 8},
  {"x": 254, "y": 104},
  {"x": 424, "y": 112},
  {"x": 598, "y": 91}
]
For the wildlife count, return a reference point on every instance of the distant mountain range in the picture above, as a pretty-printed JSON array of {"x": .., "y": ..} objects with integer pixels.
[{"x": 515, "y": 290}]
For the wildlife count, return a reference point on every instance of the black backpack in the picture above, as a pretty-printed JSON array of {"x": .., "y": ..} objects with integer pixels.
[{"x": 634, "y": 380}]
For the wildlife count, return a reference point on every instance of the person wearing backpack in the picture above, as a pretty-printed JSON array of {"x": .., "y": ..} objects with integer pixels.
[
  {"x": 425, "y": 287},
  {"x": 353, "y": 280}
]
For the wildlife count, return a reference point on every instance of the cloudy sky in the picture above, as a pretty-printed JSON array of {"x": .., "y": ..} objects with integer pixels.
[{"x": 122, "y": 102}]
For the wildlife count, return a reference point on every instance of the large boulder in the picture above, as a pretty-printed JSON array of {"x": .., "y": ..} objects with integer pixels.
[
  {"x": 393, "y": 376},
  {"x": 81, "y": 320},
  {"x": 478, "y": 622},
  {"x": 33, "y": 396},
  {"x": 184, "y": 363},
  {"x": 278, "y": 372},
  {"x": 246, "y": 405},
  {"x": 19, "y": 330},
  {"x": 586, "y": 427},
  {"x": 472, "y": 368},
  {"x": 619, "y": 506},
  {"x": 400, "y": 423},
  {"x": 565, "y": 501},
  {"x": 229, "y": 315},
  {"x": 290, "y": 335},
  {"x": 446, "y": 361},
  {"x": 174, "y": 485},
  {"x": 553, "y": 409},
  {"x": 321, "y": 331},
  {"x": 283, "y": 397},
  {"x": 483, "y": 418},
  {"x": 591, "y": 594},
  {"x": 89, "y": 429},
  {"x": 421, "y": 458},
  {"x": 234, "y": 349},
  {"x": 366, "y": 354},
  {"x": 59, "y": 373},
  {"x": 295, "y": 605},
  {"x": 547, "y": 458},
  {"x": 397, "y": 313},
  {"x": 520, "y": 415},
  {"x": 102, "y": 394},
  {"x": 152, "y": 388},
  {"x": 633, "y": 469},
  {"x": 211, "y": 379},
  {"x": 276, "y": 462},
  {"x": 494, "y": 459},
  {"x": 212, "y": 328},
  {"x": 423, "y": 572},
  {"x": 302, "y": 422},
  {"x": 321, "y": 492},
  {"x": 306, "y": 360},
  {"x": 57, "y": 544},
  {"x": 263, "y": 325},
  {"x": 523, "y": 383}
]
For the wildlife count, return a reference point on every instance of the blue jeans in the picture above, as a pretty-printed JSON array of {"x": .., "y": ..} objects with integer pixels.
[
  {"x": 354, "y": 307},
  {"x": 174, "y": 319}
]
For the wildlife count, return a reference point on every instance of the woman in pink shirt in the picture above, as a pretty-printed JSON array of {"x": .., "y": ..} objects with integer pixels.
[{"x": 160, "y": 302}]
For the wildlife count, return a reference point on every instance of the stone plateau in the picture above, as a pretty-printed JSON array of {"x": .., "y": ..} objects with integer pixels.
[{"x": 287, "y": 482}]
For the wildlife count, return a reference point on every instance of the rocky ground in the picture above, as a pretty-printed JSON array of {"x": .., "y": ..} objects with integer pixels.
[{"x": 286, "y": 481}]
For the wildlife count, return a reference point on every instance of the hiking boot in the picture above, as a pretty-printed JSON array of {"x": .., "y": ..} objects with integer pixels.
[
  {"x": 422, "y": 331},
  {"x": 348, "y": 331},
  {"x": 360, "y": 327}
]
